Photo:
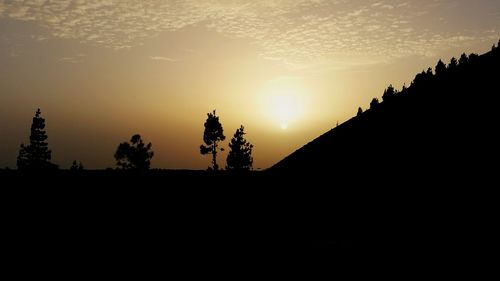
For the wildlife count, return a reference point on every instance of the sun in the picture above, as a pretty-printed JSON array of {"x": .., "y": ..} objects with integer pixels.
[
  {"x": 283, "y": 104},
  {"x": 284, "y": 108}
]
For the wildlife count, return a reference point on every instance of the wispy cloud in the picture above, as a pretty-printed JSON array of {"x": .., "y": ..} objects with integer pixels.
[
  {"x": 159, "y": 58},
  {"x": 73, "y": 59},
  {"x": 293, "y": 31},
  {"x": 39, "y": 37}
]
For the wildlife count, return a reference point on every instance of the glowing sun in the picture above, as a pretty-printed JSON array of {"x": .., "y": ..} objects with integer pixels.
[{"x": 284, "y": 108}]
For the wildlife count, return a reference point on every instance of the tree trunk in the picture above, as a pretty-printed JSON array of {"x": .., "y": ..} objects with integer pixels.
[{"x": 214, "y": 156}]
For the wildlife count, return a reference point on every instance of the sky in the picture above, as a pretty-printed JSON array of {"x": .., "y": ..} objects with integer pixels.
[{"x": 288, "y": 70}]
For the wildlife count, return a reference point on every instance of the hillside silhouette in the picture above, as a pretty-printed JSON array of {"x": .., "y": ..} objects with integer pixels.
[
  {"x": 443, "y": 126},
  {"x": 414, "y": 173}
]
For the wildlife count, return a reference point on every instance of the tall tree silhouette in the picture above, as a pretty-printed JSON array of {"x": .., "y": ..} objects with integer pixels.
[
  {"x": 374, "y": 103},
  {"x": 453, "y": 63},
  {"x": 240, "y": 155},
  {"x": 36, "y": 155},
  {"x": 440, "y": 68},
  {"x": 463, "y": 59},
  {"x": 134, "y": 155},
  {"x": 360, "y": 111},
  {"x": 388, "y": 93},
  {"x": 213, "y": 134}
]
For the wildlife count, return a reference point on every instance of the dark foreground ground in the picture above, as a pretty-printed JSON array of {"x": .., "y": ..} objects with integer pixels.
[{"x": 114, "y": 215}]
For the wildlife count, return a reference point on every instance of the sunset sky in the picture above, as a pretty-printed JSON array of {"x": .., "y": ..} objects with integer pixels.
[{"x": 288, "y": 70}]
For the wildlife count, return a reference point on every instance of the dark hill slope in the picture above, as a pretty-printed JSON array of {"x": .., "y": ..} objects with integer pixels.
[
  {"x": 443, "y": 125},
  {"x": 415, "y": 173}
]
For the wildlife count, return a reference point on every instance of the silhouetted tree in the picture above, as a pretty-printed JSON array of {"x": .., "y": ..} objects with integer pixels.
[
  {"x": 213, "y": 134},
  {"x": 453, "y": 63},
  {"x": 22, "y": 158},
  {"x": 36, "y": 155},
  {"x": 76, "y": 166},
  {"x": 419, "y": 79},
  {"x": 374, "y": 103},
  {"x": 423, "y": 77},
  {"x": 240, "y": 155},
  {"x": 473, "y": 57},
  {"x": 440, "y": 68},
  {"x": 134, "y": 155},
  {"x": 463, "y": 59},
  {"x": 388, "y": 93},
  {"x": 360, "y": 111}
]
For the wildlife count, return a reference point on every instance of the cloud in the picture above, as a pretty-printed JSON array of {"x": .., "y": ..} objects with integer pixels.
[
  {"x": 163, "y": 58},
  {"x": 78, "y": 58},
  {"x": 296, "y": 32},
  {"x": 75, "y": 59}
]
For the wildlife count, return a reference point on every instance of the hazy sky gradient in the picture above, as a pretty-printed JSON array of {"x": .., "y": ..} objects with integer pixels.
[{"x": 103, "y": 70}]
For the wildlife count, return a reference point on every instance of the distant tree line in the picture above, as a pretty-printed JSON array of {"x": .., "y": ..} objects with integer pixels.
[
  {"x": 441, "y": 70},
  {"x": 136, "y": 154}
]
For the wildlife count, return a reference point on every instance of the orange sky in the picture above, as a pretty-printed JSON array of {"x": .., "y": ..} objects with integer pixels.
[{"x": 287, "y": 70}]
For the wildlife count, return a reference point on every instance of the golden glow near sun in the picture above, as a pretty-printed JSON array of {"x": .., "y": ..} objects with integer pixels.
[
  {"x": 283, "y": 103},
  {"x": 283, "y": 106}
]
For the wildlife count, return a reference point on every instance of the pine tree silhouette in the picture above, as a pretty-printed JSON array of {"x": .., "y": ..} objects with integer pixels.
[
  {"x": 135, "y": 155},
  {"x": 463, "y": 59},
  {"x": 374, "y": 103},
  {"x": 36, "y": 155},
  {"x": 240, "y": 155},
  {"x": 440, "y": 68},
  {"x": 213, "y": 134},
  {"x": 388, "y": 93},
  {"x": 76, "y": 166},
  {"x": 360, "y": 111},
  {"x": 453, "y": 63}
]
